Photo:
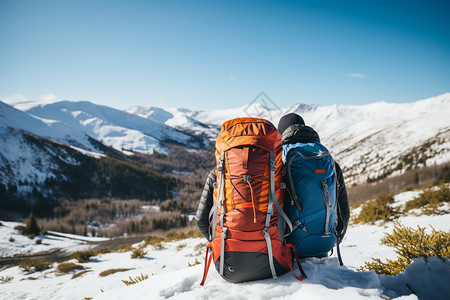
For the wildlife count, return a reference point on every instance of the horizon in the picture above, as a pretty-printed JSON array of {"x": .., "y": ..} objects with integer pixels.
[
  {"x": 219, "y": 55},
  {"x": 270, "y": 106}
]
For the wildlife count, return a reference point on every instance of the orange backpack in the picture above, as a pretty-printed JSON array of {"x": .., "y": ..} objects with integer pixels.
[{"x": 247, "y": 222}]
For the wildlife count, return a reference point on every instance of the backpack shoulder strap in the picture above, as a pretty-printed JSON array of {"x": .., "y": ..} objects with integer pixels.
[
  {"x": 215, "y": 209},
  {"x": 282, "y": 217},
  {"x": 280, "y": 213},
  {"x": 290, "y": 182}
]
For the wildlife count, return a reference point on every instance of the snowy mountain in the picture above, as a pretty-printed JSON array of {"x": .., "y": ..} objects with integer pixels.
[
  {"x": 182, "y": 119},
  {"x": 370, "y": 141},
  {"x": 27, "y": 160},
  {"x": 43, "y": 160},
  {"x": 51, "y": 129},
  {"x": 34, "y": 150},
  {"x": 381, "y": 139},
  {"x": 115, "y": 128},
  {"x": 175, "y": 269}
]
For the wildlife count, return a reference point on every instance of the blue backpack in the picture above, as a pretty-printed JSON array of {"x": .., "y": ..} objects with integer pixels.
[{"x": 310, "y": 175}]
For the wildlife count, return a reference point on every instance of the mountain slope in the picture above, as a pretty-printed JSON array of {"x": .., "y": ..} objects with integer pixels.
[
  {"x": 35, "y": 173},
  {"x": 370, "y": 141},
  {"x": 180, "y": 119},
  {"x": 16, "y": 149},
  {"x": 115, "y": 128},
  {"x": 51, "y": 129},
  {"x": 376, "y": 140}
]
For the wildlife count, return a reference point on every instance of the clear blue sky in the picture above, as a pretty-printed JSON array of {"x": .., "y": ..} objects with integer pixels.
[{"x": 222, "y": 54}]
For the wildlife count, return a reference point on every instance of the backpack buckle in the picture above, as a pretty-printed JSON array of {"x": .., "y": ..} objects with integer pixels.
[
  {"x": 220, "y": 166},
  {"x": 246, "y": 178},
  {"x": 221, "y": 160},
  {"x": 273, "y": 165}
]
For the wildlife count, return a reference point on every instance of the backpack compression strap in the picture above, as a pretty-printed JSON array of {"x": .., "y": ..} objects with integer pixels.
[
  {"x": 269, "y": 214},
  {"x": 291, "y": 183},
  {"x": 213, "y": 221},
  {"x": 224, "y": 208},
  {"x": 328, "y": 205},
  {"x": 339, "y": 252},
  {"x": 273, "y": 198},
  {"x": 280, "y": 212},
  {"x": 215, "y": 209},
  {"x": 294, "y": 254},
  {"x": 207, "y": 263}
]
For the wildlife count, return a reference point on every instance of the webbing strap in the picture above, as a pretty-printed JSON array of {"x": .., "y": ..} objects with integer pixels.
[
  {"x": 291, "y": 182},
  {"x": 294, "y": 253},
  {"x": 281, "y": 213},
  {"x": 215, "y": 209},
  {"x": 222, "y": 187},
  {"x": 339, "y": 253},
  {"x": 222, "y": 249},
  {"x": 328, "y": 205},
  {"x": 207, "y": 264},
  {"x": 222, "y": 202},
  {"x": 273, "y": 197},
  {"x": 269, "y": 252},
  {"x": 272, "y": 194},
  {"x": 213, "y": 220}
]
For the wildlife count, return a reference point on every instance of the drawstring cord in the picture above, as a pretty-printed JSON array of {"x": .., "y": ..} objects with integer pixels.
[{"x": 247, "y": 179}]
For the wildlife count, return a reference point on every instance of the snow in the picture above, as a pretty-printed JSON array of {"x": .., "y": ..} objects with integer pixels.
[
  {"x": 181, "y": 119},
  {"x": 428, "y": 278},
  {"x": 52, "y": 129},
  {"x": 367, "y": 140},
  {"x": 15, "y": 152},
  {"x": 170, "y": 277},
  {"x": 88, "y": 153},
  {"x": 78, "y": 237},
  {"x": 115, "y": 128},
  {"x": 23, "y": 245}
]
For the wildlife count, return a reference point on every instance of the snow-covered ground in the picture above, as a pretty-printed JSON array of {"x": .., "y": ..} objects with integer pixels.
[
  {"x": 13, "y": 243},
  {"x": 170, "y": 275}
]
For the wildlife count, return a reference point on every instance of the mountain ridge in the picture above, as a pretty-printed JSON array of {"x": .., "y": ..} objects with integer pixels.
[{"x": 370, "y": 141}]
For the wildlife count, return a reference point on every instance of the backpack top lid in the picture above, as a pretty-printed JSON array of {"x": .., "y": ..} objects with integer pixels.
[
  {"x": 248, "y": 131},
  {"x": 307, "y": 149}
]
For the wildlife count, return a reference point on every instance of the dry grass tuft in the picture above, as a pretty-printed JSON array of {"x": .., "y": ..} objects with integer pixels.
[
  {"x": 136, "y": 279},
  {"x": 112, "y": 271},
  {"x": 35, "y": 265},
  {"x": 80, "y": 274},
  {"x": 83, "y": 256},
  {"x": 65, "y": 268}
]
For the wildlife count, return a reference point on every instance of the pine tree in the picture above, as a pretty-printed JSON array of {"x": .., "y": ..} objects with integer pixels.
[{"x": 32, "y": 225}]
